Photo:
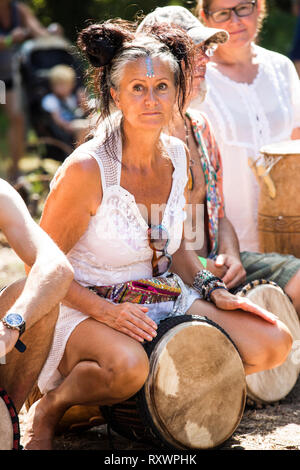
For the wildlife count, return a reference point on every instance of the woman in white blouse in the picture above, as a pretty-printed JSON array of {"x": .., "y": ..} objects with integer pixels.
[{"x": 253, "y": 99}]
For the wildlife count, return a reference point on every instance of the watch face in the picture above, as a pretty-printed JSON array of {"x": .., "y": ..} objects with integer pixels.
[{"x": 14, "y": 319}]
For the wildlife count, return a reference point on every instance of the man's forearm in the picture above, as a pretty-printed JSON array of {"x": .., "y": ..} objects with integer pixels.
[
  {"x": 45, "y": 286},
  {"x": 228, "y": 242},
  {"x": 186, "y": 263}
]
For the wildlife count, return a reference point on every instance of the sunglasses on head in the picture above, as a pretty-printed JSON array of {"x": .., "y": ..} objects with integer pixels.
[
  {"x": 242, "y": 9},
  {"x": 159, "y": 240}
]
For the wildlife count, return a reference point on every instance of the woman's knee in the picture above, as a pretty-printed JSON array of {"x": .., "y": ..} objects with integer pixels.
[
  {"x": 127, "y": 374},
  {"x": 274, "y": 347},
  {"x": 282, "y": 344},
  {"x": 262, "y": 346}
]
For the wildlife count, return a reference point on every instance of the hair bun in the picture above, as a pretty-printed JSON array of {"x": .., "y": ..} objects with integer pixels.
[{"x": 101, "y": 42}]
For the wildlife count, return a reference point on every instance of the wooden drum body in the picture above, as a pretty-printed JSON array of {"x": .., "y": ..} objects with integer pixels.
[
  {"x": 279, "y": 202},
  {"x": 274, "y": 384},
  {"x": 195, "y": 393}
]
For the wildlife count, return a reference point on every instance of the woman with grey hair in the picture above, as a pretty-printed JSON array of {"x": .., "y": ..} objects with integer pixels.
[{"x": 100, "y": 212}]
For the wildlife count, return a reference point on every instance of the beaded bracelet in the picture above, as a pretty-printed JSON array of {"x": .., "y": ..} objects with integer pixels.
[
  {"x": 206, "y": 282},
  {"x": 214, "y": 286}
]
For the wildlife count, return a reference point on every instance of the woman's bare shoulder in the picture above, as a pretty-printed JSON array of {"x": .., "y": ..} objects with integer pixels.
[
  {"x": 78, "y": 183},
  {"x": 81, "y": 167}
]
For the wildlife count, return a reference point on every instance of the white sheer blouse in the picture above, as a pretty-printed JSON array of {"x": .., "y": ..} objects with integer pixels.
[{"x": 245, "y": 117}]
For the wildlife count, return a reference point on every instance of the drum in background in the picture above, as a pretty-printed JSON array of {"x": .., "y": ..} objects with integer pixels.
[
  {"x": 195, "y": 393},
  {"x": 279, "y": 202},
  {"x": 9, "y": 423},
  {"x": 274, "y": 384}
]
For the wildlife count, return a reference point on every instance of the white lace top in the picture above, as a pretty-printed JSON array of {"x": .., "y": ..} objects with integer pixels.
[
  {"x": 244, "y": 118},
  {"x": 115, "y": 246}
]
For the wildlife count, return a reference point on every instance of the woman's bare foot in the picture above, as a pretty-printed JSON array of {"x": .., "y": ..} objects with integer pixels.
[{"x": 39, "y": 426}]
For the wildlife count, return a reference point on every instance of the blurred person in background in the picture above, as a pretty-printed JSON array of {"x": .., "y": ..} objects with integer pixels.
[
  {"x": 17, "y": 23},
  {"x": 253, "y": 99},
  {"x": 220, "y": 252},
  {"x": 66, "y": 105}
]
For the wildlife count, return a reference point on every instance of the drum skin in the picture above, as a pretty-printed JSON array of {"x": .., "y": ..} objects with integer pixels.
[
  {"x": 279, "y": 216},
  {"x": 195, "y": 393},
  {"x": 273, "y": 385}
]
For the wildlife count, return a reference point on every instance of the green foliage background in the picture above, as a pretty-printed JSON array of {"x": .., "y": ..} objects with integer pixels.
[{"x": 277, "y": 33}]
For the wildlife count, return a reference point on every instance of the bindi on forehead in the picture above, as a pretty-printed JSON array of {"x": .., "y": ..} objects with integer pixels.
[
  {"x": 149, "y": 67},
  {"x": 142, "y": 70}
]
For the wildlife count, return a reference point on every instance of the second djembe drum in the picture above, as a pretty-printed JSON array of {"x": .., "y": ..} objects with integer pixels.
[
  {"x": 279, "y": 201},
  {"x": 274, "y": 384}
]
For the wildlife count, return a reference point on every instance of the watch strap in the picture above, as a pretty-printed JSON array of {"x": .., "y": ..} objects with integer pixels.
[
  {"x": 20, "y": 346},
  {"x": 22, "y": 328}
]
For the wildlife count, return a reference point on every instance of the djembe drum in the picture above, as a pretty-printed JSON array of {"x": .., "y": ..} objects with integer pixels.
[
  {"x": 274, "y": 384},
  {"x": 195, "y": 393},
  {"x": 19, "y": 371},
  {"x": 279, "y": 202}
]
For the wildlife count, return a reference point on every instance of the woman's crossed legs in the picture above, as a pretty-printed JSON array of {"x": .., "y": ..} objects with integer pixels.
[{"x": 102, "y": 366}]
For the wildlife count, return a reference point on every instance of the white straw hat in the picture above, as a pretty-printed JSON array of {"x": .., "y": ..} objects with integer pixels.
[{"x": 186, "y": 20}]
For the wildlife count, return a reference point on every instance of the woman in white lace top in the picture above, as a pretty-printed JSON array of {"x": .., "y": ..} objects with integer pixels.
[
  {"x": 99, "y": 211},
  {"x": 253, "y": 99}
]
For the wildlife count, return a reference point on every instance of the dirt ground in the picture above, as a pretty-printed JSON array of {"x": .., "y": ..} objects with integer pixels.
[{"x": 271, "y": 427}]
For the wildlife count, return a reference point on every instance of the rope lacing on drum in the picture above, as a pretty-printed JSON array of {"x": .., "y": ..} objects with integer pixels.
[
  {"x": 269, "y": 162},
  {"x": 242, "y": 292},
  {"x": 14, "y": 419}
]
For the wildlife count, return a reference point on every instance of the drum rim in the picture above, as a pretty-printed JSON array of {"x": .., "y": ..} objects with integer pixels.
[
  {"x": 150, "y": 345},
  {"x": 247, "y": 286},
  {"x": 146, "y": 417},
  {"x": 14, "y": 418},
  {"x": 271, "y": 153}
]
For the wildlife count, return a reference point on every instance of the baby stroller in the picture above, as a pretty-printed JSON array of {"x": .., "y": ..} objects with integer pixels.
[{"x": 36, "y": 59}]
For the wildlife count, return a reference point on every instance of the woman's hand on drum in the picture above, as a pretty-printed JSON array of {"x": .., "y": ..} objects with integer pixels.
[
  {"x": 235, "y": 273},
  {"x": 132, "y": 320},
  {"x": 224, "y": 300},
  {"x": 8, "y": 339}
]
